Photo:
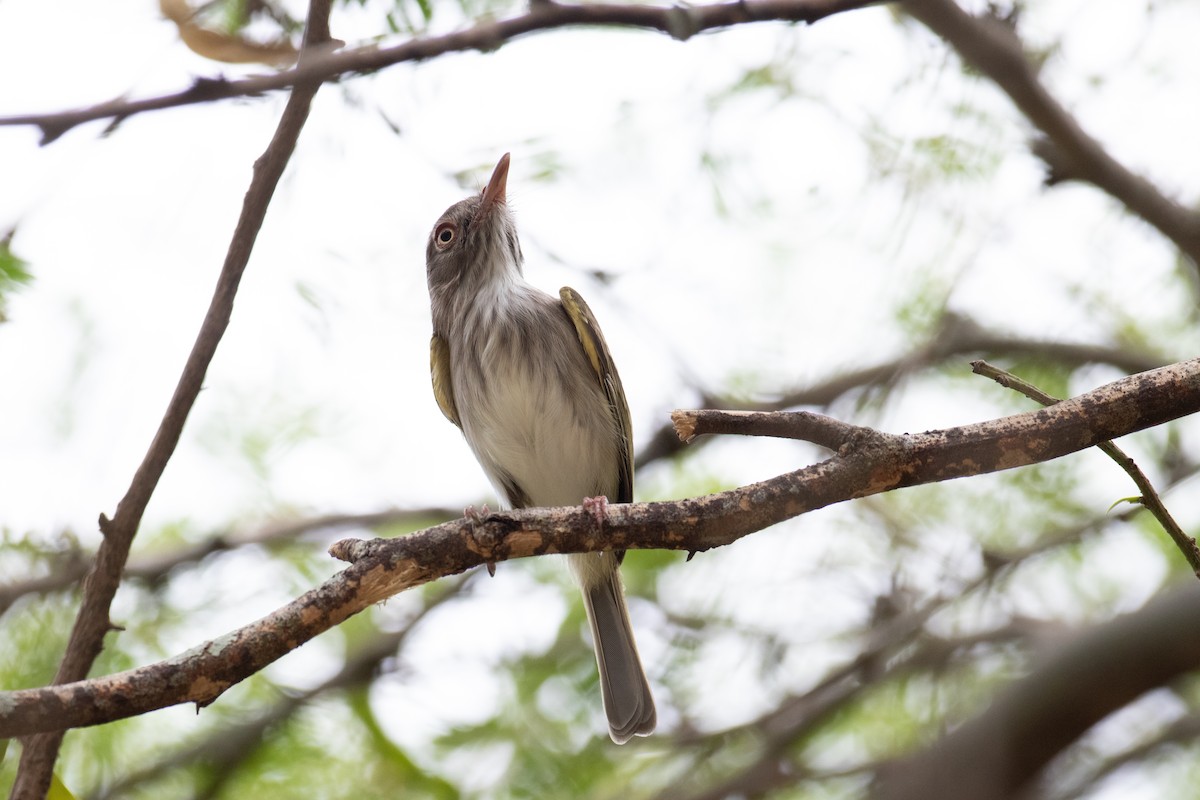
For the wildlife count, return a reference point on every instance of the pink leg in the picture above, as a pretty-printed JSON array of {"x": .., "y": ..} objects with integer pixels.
[
  {"x": 597, "y": 507},
  {"x": 476, "y": 515}
]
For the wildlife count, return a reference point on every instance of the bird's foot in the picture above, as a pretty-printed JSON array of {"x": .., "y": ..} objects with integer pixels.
[
  {"x": 597, "y": 507},
  {"x": 476, "y": 517}
]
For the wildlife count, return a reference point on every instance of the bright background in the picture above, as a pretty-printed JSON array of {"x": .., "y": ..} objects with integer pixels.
[{"x": 748, "y": 212}]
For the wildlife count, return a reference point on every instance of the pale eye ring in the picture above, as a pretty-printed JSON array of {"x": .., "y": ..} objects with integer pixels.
[{"x": 444, "y": 236}]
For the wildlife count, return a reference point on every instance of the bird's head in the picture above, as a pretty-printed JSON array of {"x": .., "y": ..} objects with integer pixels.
[{"x": 474, "y": 243}]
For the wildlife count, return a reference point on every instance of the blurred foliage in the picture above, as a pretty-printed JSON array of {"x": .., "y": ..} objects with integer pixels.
[
  {"x": 235, "y": 16},
  {"x": 765, "y": 654},
  {"x": 58, "y": 791},
  {"x": 14, "y": 273},
  {"x": 271, "y": 19}
]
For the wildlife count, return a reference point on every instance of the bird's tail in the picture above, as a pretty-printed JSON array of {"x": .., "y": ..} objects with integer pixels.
[{"x": 627, "y": 699}]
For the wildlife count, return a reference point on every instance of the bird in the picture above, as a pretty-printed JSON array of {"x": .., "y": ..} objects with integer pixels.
[{"x": 529, "y": 380}]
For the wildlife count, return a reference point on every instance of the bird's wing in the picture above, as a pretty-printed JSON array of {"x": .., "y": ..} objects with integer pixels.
[
  {"x": 598, "y": 356},
  {"x": 439, "y": 369}
]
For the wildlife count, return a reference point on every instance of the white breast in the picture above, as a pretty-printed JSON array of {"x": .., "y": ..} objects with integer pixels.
[{"x": 538, "y": 418}]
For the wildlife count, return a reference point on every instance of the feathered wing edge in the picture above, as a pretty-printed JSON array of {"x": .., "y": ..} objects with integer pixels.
[
  {"x": 596, "y": 350},
  {"x": 628, "y": 702},
  {"x": 439, "y": 370}
]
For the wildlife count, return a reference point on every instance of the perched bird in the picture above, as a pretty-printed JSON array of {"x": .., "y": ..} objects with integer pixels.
[{"x": 529, "y": 380}]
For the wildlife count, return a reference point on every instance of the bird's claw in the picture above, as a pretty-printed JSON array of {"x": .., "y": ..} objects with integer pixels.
[
  {"x": 597, "y": 507},
  {"x": 476, "y": 517}
]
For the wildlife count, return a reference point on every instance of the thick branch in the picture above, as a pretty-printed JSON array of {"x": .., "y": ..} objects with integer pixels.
[
  {"x": 991, "y": 45},
  {"x": 92, "y": 623},
  {"x": 996, "y": 754},
  {"x": 865, "y": 465},
  {"x": 678, "y": 21}
]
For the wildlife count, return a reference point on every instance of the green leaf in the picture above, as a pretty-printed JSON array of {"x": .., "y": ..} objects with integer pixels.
[
  {"x": 58, "y": 791},
  {"x": 14, "y": 272},
  {"x": 1133, "y": 501}
]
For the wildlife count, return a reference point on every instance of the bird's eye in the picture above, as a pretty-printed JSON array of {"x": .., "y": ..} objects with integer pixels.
[{"x": 444, "y": 236}]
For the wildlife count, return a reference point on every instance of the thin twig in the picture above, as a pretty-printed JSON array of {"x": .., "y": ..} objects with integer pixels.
[
  {"x": 953, "y": 338},
  {"x": 92, "y": 623},
  {"x": 678, "y": 21},
  {"x": 1149, "y": 497},
  {"x": 816, "y": 428}
]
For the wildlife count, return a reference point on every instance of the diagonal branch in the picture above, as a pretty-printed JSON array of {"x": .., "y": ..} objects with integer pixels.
[
  {"x": 992, "y": 46},
  {"x": 865, "y": 464},
  {"x": 92, "y": 623},
  {"x": 678, "y": 21},
  {"x": 1149, "y": 497}
]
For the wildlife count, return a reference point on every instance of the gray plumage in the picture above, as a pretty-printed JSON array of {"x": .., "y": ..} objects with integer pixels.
[{"x": 528, "y": 379}]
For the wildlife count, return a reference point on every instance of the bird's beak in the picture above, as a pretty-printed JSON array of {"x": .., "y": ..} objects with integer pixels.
[{"x": 493, "y": 193}]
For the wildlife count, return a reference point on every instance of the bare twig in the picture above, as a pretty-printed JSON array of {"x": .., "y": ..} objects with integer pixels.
[
  {"x": 382, "y": 568},
  {"x": 678, "y": 21},
  {"x": 1149, "y": 498},
  {"x": 953, "y": 338},
  {"x": 992, "y": 46},
  {"x": 815, "y": 428},
  {"x": 92, "y": 623}
]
